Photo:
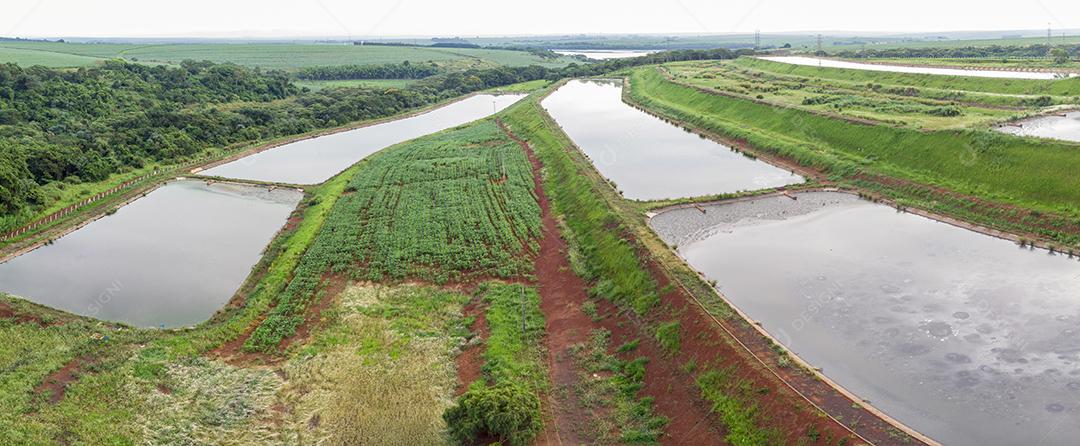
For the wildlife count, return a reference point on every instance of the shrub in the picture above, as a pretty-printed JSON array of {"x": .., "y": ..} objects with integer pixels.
[{"x": 507, "y": 411}]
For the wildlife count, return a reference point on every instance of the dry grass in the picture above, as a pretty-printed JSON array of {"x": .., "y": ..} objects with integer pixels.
[{"x": 383, "y": 374}]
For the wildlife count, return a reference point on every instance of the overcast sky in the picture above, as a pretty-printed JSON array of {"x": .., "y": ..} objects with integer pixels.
[{"x": 358, "y": 18}]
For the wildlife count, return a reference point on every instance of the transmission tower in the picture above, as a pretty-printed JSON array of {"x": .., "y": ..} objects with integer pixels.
[
  {"x": 819, "y": 50},
  {"x": 757, "y": 39},
  {"x": 1048, "y": 34}
]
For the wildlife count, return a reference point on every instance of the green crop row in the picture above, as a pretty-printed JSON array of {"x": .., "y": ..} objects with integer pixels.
[{"x": 450, "y": 206}]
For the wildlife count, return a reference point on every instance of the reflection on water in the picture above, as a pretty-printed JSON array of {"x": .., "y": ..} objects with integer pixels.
[
  {"x": 604, "y": 54},
  {"x": 964, "y": 337},
  {"x": 832, "y": 63},
  {"x": 646, "y": 157},
  {"x": 171, "y": 258},
  {"x": 315, "y": 160},
  {"x": 1065, "y": 127}
]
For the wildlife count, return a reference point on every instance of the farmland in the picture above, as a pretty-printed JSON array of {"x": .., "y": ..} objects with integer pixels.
[
  {"x": 442, "y": 208},
  {"x": 486, "y": 282},
  {"x": 283, "y": 56}
]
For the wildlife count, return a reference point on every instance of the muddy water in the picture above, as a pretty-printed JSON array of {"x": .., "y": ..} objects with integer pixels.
[
  {"x": 646, "y": 157},
  {"x": 1058, "y": 127},
  {"x": 832, "y": 63},
  {"x": 605, "y": 54},
  {"x": 964, "y": 337},
  {"x": 315, "y": 160},
  {"x": 171, "y": 258}
]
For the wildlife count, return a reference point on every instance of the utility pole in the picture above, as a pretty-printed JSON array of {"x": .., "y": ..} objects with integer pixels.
[{"x": 1048, "y": 47}]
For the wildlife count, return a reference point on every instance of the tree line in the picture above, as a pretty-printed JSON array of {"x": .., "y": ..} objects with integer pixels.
[
  {"x": 62, "y": 128},
  {"x": 404, "y": 70}
]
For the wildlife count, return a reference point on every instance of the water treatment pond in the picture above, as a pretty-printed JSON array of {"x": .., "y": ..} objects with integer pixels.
[
  {"x": 1065, "y": 127},
  {"x": 833, "y": 63},
  {"x": 171, "y": 258},
  {"x": 605, "y": 54},
  {"x": 647, "y": 158},
  {"x": 315, "y": 160},
  {"x": 964, "y": 337}
]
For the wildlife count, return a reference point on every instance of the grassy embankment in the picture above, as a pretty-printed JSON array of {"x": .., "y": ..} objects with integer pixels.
[
  {"x": 135, "y": 386},
  {"x": 603, "y": 232},
  {"x": 1034, "y": 179},
  {"x": 1063, "y": 88},
  {"x": 114, "y": 365},
  {"x": 1045, "y": 63},
  {"x": 863, "y": 101}
]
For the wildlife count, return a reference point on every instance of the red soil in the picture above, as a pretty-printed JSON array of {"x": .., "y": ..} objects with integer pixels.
[
  {"x": 7, "y": 312},
  {"x": 55, "y": 384},
  {"x": 470, "y": 361},
  {"x": 232, "y": 351},
  {"x": 562, "y": 294}
]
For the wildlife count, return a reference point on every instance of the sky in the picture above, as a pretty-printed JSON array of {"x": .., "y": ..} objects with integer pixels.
[{"x": 467, "y": 18}]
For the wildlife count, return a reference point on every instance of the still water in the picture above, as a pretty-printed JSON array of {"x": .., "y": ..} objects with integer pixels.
[
  {"x": 605, "y": 54},
  {"x": 832, "y": 63},
  {"x": 1065, "y": 127},
  {"x": 171, "y": 258},
  {"x": 646, "y": 157},
  {"x": 964, "y": 337},
  {"x": 315, "y": 160}
]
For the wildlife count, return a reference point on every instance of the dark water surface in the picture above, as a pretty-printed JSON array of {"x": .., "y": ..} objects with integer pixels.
[
  {"x": 964, "y": 337},
  {"x": 172, "y": 258}
]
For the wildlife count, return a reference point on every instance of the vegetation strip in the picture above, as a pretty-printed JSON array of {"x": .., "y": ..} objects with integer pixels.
[
  {"x": 1029, "y": 194},
  {"x": 528, "y": 120},
  {"x": 879, "y": 431}
]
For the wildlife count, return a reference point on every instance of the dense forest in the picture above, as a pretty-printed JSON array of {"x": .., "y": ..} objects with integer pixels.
[
  {"x": 404, "y": 70},
  {"x": 59, "y": 128}
]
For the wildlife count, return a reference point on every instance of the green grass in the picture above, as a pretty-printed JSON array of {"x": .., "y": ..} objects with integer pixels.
[
  {"x": 608, "y": 389},
  {"x": 515, "y": 334},
  {"x": 894, "y": 105},
  {"x": 278, "y": 56},
  {"x": 608, "y": 260},
  {"x": 733, "y": 400},
  {"x": 505, "y": 402},
  {"x": 444, "y": 207},
  {"x": 27, "y": 57},
  {"x": 996, "y": 62},
  {"x": 1032, "y": 173},
  {"x": 1061, "y": 87}
]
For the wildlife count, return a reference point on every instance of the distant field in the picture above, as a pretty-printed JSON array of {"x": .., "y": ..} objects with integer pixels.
[
  {"x": 46, "y": 58},
  {"x": 279, "y": 56},
  {"x": 1022, "y": 41}
]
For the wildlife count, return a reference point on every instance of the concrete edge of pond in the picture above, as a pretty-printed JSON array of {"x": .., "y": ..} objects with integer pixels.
[
  {"x": 61, "y": 232},
  {"x": 1059, "y": 111},
  {"x": 817, "y": 373},
  {"x": 102, "y": 213},
  {"x": 232, "y": 298}
]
